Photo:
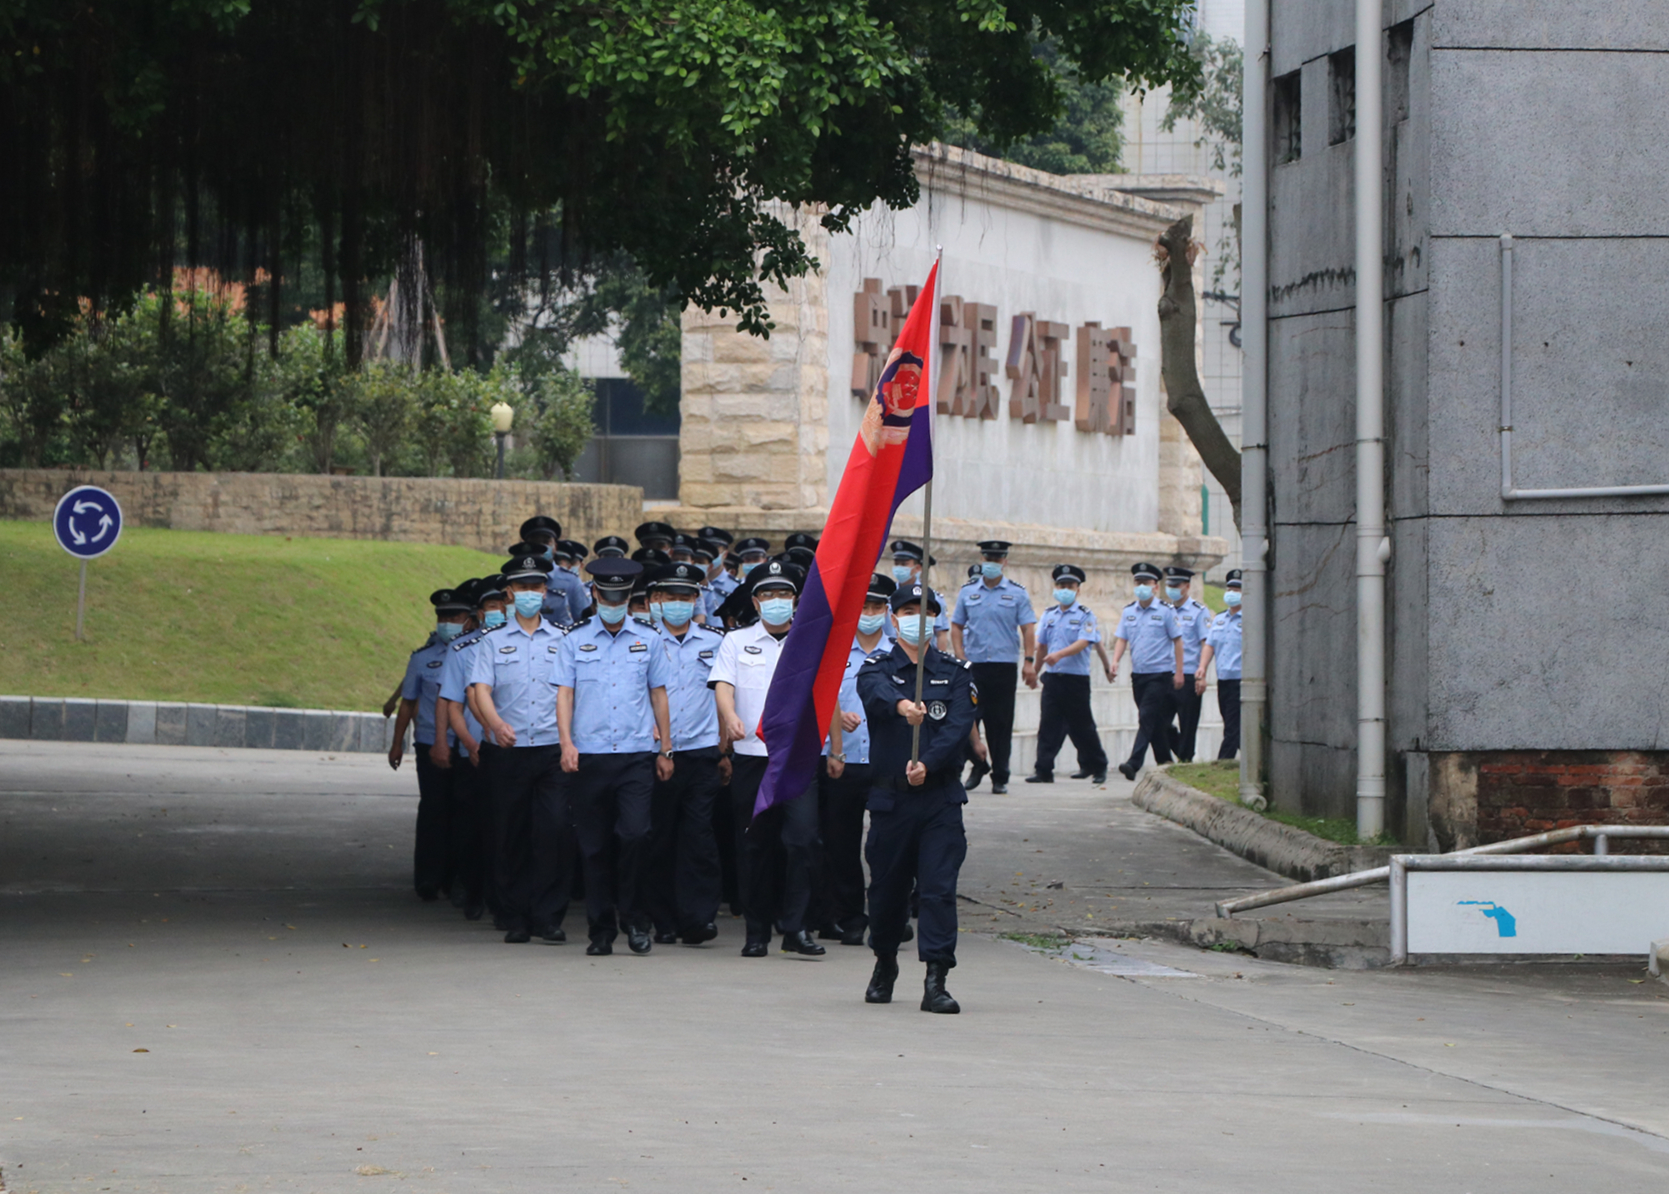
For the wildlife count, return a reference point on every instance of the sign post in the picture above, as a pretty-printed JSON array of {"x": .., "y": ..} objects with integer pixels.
[{"x": 87, "y": 523}]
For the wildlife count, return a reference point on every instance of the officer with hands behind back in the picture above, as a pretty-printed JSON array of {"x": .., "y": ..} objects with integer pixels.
[
  {"x": 915, "y": 808},
  {"x": 1194, "y": 620},
  {"x": 994, "y": 629},
  {"x": 1065, "y": 635},
  {"x": 1148, "y": 630}
]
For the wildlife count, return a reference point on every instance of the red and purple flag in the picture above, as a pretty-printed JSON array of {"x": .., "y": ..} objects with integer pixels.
[{"x": 892, "y": 458}]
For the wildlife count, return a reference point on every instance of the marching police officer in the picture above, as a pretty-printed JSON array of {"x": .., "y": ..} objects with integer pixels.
[
  {"x": 751, "y": 553},
  {"x": 993, "y": 628},
  {"x": 1194, "y": 620},
  {"x": 683, "y": 884},
  {"x": 741, "y": 676},
  {"x": 915, "y": 808},
  {"x": 611, "y": 547},
  {"x": 430, "y": 873},
  {"x": 471, "y": 794},
  {"x": 906, "y": 570},
  {"x": 1065, "y": 634},
  {"x": 1222, "y": 647},
  {"x": 565, "y": 596},
  {"x": 1149, "y": 631},
  {"x": 512, "y": 693},
  {"x": 611, "y": 674},
  {"x": 657, "y": 536}
]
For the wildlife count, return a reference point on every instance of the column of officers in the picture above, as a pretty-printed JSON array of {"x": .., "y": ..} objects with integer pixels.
[{"x": 594, "y": 741}]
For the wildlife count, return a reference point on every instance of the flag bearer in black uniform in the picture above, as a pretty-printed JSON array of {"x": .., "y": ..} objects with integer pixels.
[{"x": 915, "y": 809}]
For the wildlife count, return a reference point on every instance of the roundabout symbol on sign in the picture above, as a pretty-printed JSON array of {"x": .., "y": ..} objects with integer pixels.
[{"x": 87, "y": 522}]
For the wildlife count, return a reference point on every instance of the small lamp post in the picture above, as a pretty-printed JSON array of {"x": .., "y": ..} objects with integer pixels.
[{"x": 503, "y": 414}]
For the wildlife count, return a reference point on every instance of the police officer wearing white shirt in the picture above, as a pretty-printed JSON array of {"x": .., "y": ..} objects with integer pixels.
[
  {"x": 1148, "y": 630},
  {"x": 741, "y": 677},
  {"x": 1222, "y": 647},
  {"x": 611, "y": 706},
  {"x": 994, "y": 629},
  {"x": 682, "y": 884},
  {"x": 511, "y": 692},
  {"x": 1065, "y": 634},
  {"x": 1194, "y": 619}
]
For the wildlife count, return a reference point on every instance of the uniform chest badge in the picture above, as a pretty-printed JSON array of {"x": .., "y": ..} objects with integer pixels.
[
  {"x": 1006, "y": 599},
  {"x": 938, "y": 681},
  {"x": 896, "y": 679},
  {"x": 754, "y": 650},
  {"x": 588, "y": 646},
  {"x": 552, "y": 650},
  {"x": 638, "y": 647},
  {"x": 938, "y": 710},
  {"x": 976, "y": 598},
  {"x": 704, "y": 655},
  {"x": 433, "y": 663},
  {"x": 507, "y": 650}
]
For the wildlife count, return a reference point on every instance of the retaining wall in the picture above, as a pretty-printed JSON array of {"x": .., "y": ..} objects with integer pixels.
[{"x": 170, "y": 723}]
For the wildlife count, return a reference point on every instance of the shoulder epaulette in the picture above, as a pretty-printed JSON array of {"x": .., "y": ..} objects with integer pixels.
[
  {"x": 649, "y": 622},
  {"x": 577, "y": 625}
]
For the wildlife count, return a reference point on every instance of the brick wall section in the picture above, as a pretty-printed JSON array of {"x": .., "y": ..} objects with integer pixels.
[
  {"x": 464, "y": 512},
  {"x": 1525, "y": 792}
]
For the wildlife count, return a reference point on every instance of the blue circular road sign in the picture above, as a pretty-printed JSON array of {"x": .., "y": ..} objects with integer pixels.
[{"x": 87, "y": 522}]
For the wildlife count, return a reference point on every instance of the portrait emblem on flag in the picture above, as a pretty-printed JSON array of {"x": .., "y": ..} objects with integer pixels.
[{"x": 887, "y": 421}]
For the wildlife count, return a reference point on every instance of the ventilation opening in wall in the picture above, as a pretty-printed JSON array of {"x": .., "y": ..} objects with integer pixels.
[
  {"x": 1399, "y": 55},
  {"x": 1288, "y": 124},
  {"x": 1341, "y": 96}
]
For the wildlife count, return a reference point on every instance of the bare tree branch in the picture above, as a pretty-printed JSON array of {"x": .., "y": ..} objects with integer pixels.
[{"x": 1185, "y": 396}]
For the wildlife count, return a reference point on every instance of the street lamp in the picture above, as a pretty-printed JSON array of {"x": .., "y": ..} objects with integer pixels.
[{"x": 503, "y": 414}]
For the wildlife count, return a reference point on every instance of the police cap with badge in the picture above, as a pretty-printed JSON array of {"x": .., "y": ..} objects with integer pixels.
[
  {"x": 1068, "y": 572},
  {"x": 651, "y": 533},
  {"x": 994, "y": 547},
  {"x": 1145, "y": 571},
  {"x": 800, "y": 539},
  {"x": 1179, "y": 575},
  {"x": 717, "y": 535},
  {"x": 776, "y": 574},
  {"x": 881, "y": 588},
  {"x": 614, "y": 577},
  {"x": 452, "y": 601},
  {"x": 527, "y": 568},
  {"x": 571, "y": 549},
  {"x": 677, "y": 578},
  {"x": 1232, "y": 580},
  {"x": 540, "y": 524},
  {"x": 651, "y": 557},
  {"x": 908, "y": 595},
  {"x": 611, "y": 547},
  {"x": 489, "y": 588},
  {"x": 751, "y": 546}
]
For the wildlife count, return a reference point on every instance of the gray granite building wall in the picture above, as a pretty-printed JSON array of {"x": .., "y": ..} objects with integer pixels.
[{"x": 1514, "y": 626}]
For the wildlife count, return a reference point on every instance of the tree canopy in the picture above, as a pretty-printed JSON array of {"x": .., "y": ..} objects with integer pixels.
[{"x": 243, "y": 134}]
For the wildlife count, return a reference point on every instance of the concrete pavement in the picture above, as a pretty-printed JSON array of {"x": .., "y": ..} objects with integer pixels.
[{"x": 308, "y": 1025}]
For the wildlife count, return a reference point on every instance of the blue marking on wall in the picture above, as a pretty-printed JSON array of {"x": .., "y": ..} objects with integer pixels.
[{"x": 1506, "y": 925}]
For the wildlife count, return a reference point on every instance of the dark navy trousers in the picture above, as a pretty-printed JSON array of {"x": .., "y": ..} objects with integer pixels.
[{"x": 915, "y": 835}]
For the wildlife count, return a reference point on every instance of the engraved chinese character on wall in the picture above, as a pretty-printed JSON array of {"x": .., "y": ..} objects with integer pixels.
[
  {"x": 967, "y": 335},
  {"x": 872, "y": 336},
  {"x": 1036, "y": 368},
  {"x": 1121, "y": 351},
  {"x": 1105, "y": 402}
]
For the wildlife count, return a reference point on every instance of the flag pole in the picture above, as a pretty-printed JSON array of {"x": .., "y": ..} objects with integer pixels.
[{"x": 925, "y": 623}]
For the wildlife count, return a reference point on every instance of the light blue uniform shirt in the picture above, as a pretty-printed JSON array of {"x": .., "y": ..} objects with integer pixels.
[
  {"x": 1059, "y": 628},
  {"x": 694, "y": 709},
  {"x": 1150, "y": 631},
  {"x": 1194, "y": 620},
  {"x": 1225, "y": 644},
  {"x": 454, "y": 677},
  {"x": 566, "y": 597},
  {"x": 517, "y": 666},
  {"x": 611, "y": 675},
  {"x": 422, "y": 684},
  {"x": 991, "y": 617},
  {"x": 854, "y": 744}
]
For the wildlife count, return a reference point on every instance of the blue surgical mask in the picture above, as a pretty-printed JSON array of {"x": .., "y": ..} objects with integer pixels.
[
  {"x": 447, "y": 631},
  {"x": 493, "y": 618},
  {"x": 777, "y": 610},
  {"x": 746, "y": 567},
  {"x": 654, "y": 614},
  {"x": 548, "y": 554},
  {"x": 1066, "y": 596},
  {"x": 528, "y": 605},
  {"x": 991, "y": 570},
  {"x": 902, "y": 573},
  {"x": 1172, "y": 593},
  {"x": 612, "y": 615},
  {"x": 870, "y": 623},
  {"x": 1144, "y": 592},
  {"x": 1231, "y": 598},
  {"x": 676, "y": 613},
  {"x": 911, "y": 627}
]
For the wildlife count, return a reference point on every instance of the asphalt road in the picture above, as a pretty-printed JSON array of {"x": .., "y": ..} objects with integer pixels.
[{"x": 214, "y": 977}]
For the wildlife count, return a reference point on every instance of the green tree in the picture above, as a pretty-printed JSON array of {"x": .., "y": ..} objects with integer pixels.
[
  {"x": 311, "y": 377},
  {"x": 562, "y": 424},
  {"x": 1215, "y": 108},
  {"x": 453, "y": 427},
  {"x": 385, "y": 407},
  {"x": 1086, "y": 136},
  {"x": 33, "y": 398}
]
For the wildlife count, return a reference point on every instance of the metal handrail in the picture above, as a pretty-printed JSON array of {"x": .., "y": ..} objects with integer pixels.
[{"x": 1600, "y": 835}]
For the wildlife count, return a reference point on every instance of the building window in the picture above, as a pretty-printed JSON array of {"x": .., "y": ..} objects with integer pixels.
[
  {"x": 1289, "y": 132},
  {"x": 632, "y": 446},
  {"x": 1400, "y": 53},
  {"x": 1341, "y": 96}
]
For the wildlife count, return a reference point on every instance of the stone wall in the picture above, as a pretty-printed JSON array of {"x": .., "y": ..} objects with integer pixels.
[
  {"x": 1491, "y": 796},
  {"x": 465, "y": 512}
]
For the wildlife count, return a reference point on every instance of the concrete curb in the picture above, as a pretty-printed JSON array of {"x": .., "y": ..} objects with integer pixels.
[
  {"x": 1280, "y": 848},
  {"x": 1327, "y": 944},
  {"x": 169, "y": 723}
]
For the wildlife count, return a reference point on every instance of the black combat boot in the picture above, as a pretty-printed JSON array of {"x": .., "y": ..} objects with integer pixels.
[
  {"x": 934, "y": 997},
  {"x": 881, "y": 981}
]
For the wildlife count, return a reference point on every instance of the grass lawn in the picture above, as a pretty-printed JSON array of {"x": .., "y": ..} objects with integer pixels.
[
  {"x": 1222, "y": 780},
  {"x": 221, "y": 619}
]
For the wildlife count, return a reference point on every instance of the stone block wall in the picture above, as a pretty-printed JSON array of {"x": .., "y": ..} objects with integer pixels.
[
  {"x": 462, "y": 511},
  {"x": 1491, "y": 796}
]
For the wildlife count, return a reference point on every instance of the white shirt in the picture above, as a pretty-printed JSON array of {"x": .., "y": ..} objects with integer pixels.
[{"x": 747, "y": 660}]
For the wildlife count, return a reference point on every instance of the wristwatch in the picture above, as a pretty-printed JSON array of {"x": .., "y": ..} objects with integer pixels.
[
  {"x": 837, "y": 758},
  {"x": 1031, "y": 659},
  {"x": 666, "y": 754}
]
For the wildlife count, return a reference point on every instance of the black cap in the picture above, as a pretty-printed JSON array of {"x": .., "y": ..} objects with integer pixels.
[
  {"x": 775, "y": 574},
  {"x": 911, "y": 595},
  {"x": 903, "y": 549},
  {"x": 1232, "y": 580},
  {"x": 653, "y": 530},
  {"x": 712, "y": 549},
  {"x": 755, "y": 544},
  {"x": 1144, "y": 569},
  {"x": 487, "y": 588},
  {"x": 677, "y": 576},
  {"x": 994, "y": 547},
  {"x": 732, "y": 560},
  {"x": 881, "y": 588},
  {"x": 801, "y": 557},
  {"x": 801, "y": 539},
  {"x": 542, "y": 523},
  {"x": 717, "y": 535},
  {"x": 973, "y": 571},
  {"x": 1178, "y": 574},
  {"x": 651, "y": 557},
  {"x": 683, "y": 542},
  {"x": 525, "y": 548},
  {"x": 614, "y": 545},
  {"x": 450, "y": 601},
  {"x": 573, "y": 548},
  {"x": 640, "y": 586},
  {"x": 527, "y": 568},
  {"x": 614, "y": 576},
  {"x": 1068, "y": 572}
]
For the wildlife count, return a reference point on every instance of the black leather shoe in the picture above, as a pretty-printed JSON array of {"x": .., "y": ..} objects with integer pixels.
[
  {"x": 638, "y": 941},
  {"x": 1042, "y": 779},
  {"x": 801, "y": 943},
  {"x": 1080, "y": 774},
  {"x": 517, "y": 936},
  {"x": 853, "y": 936},
  {"x": 756, "y": 949},
  {"x": 1098, "y": 780},
  {"x": 474, "y": 909},
  {"x": 551, "y": 933},
  {"x": 934, "y": 997},
  {"x": 1126, "y": 770},
  {"x": 979, "y": 772},
  {"x": 909, "y": 932},
  {"x": 882, "y": 979},
  {"x": 700, "y": 934},
  {"x": 829, "y": 933},
  {"x": 667, "y": 938},
  {"x": 998, "y": 789},
  {"x": 599, "y": 949}
]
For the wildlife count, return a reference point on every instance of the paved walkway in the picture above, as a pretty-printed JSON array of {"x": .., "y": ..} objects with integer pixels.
[{"x": 242, "y": 917}]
